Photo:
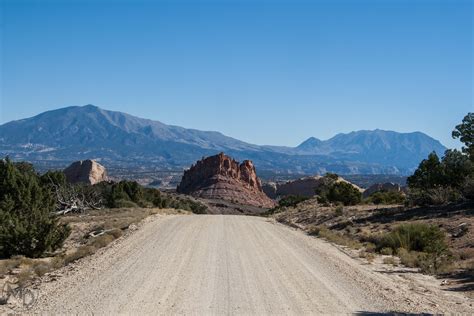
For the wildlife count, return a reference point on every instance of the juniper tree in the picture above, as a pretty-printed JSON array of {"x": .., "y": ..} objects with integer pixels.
[{"x": 27, "y": 226}]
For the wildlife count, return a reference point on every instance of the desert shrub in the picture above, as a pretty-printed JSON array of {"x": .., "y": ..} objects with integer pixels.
[
  {"x": 339, "y": 210},
  {"x": 426, "y": 262},
  {"x": 370, "y": 257},
  {"x": 314, "y": 230},
  {"x": 291, "y": 200},
  {"x": 335, "y": 237},
  {"x": 468, "y": 187},
  {"x": 80, "y": 252},
  {"x": 337, "y": 192},
  {"x": 124, "y": 204},
  {"x": 386, "y": 197},
  {"x": 53, "y": 177},
  {"x": 408, "y": 258},
  {"x": 7, "y": 265},
  {"x": 188, "y": 205},
  {"x": 465, "y": 254},
  {"x": 42, "y": 268},
  {"x": 470, "y": 267},
  {"x": 101, "y": 241},
  {"x": 287, "y": 201},
  {"x": 389, "y": 260},
  {"x": 130, "y": 194},
  {"x": 370, "y": 247},
  {"x": 57, "y": 262},
  {"x": 25, "y": 275},
  {"x": 418, "y": 245},
  {"x": 434, "y": 196},
  {"x": 414, "y": 237},
  {"x": 344, "y": 192},
  {"x": 386, "y": 251},
  {"x": 118, "y": 194},
  {"x": 27, "y": 226}
]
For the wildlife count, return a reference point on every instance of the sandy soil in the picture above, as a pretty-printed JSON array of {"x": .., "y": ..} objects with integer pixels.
[{"x": 217, "y": 264}]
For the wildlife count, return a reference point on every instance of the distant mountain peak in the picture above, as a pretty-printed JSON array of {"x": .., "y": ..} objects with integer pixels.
[
  {"x": 310, "y": 142},
  {"x": 82, "y": 132}
]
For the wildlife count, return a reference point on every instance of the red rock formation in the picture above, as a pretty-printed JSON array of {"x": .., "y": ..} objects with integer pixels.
[
  {"x": 221, "y": 177},
  {"x": 85, "y": 171}
]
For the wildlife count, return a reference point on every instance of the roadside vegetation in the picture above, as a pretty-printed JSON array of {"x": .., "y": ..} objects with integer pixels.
[
  {"x": 386, "y": 197},
  {"x": 27, "y": 224},
  {"x": 46, "y": 223},
  {"x": 427, "y": 226},
  {"x": 285, "y": 202},
  {"x": 417, "y": 245},
  {"x": 449, "y": 179}
]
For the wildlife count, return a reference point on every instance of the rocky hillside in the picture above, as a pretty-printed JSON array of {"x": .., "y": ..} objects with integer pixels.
[
  {"x": 220, "y": 177},
  {"x": 57, "y": 138}
]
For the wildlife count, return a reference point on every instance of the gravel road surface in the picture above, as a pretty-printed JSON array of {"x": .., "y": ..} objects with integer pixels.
[{"x": 217, "y": 264}]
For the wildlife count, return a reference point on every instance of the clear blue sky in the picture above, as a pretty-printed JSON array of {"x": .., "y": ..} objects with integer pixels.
[{"x": 267, "y": 72}]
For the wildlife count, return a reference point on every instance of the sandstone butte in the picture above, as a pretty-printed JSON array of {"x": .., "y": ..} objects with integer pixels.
[
  {"x": 220, "y": 177},
  {"x": 85, "y": 171}
]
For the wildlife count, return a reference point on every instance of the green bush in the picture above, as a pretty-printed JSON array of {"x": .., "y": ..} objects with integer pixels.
[
  {"x": 418, "y": 245},
  {"x": 409, "y": 259},
  {"x": 414, "y": 237},
  {"x": 386, "y": 251},
  {"x": 345, "y": 193},
  {"x": 130, "y": 194},
  {"x": 330, "y": 190},
  {"x": 386, "y": 197},
  {"x": 122, "y": 203},
  {"x": 291, "y": 200},
  {"x": 331, "y": 176},
  {"x": 339, "y": 210},
  {"x": 434, "y": 196},
  {"x": 27, "y": 226},
  {"x": 468, "y": 187}
]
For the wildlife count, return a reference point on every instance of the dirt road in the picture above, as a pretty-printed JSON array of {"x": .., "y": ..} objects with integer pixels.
[{"x": 232, "y": 265}]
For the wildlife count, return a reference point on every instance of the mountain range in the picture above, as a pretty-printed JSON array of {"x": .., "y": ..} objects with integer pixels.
[{"x": 122, "y": 140}]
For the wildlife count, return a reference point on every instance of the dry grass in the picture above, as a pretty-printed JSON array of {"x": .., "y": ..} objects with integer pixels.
[
  {"x": 7, "y": 265},
  {"x": 386, "y": 251},
  {"x": 466, "y": 254},
  {"x": 335, "y": 237},
  {"x": 390, "y": 260},
  {"x": 410, "y": 259},
  {"x": 78, "y": 253},
  {"x": 369, "y": 256},
  {"x": 25, "y": 275}
]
